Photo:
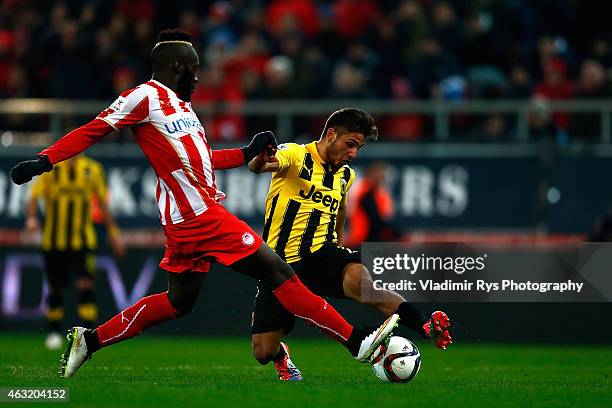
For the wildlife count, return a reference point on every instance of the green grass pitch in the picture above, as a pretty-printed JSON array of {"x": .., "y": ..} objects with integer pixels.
[{"x": 211, "y": 372}]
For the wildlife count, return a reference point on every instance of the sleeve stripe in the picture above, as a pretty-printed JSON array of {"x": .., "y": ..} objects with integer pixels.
[{"x": 108, "y": 122}]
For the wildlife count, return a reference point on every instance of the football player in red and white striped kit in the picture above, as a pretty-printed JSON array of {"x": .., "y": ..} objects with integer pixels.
[{"x": 198, "y": 229}]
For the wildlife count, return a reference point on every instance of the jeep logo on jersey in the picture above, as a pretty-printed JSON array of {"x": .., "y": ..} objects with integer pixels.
[
  {"x": 319, "y": 197},
  {"x": 182, "y": 124}
]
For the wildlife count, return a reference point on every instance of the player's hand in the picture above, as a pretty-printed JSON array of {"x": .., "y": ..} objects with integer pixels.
[
  {"x": 259, "y": 164},
  {"x": 24, "y": 171},
  {"x": 261, "y": 142},
  {"x": 268, "y": 155}
]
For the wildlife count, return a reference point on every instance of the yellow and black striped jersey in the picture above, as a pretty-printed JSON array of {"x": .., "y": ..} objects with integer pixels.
[
  {"x": 303, "y": 201},
  {"x": 67, "y": 192}
]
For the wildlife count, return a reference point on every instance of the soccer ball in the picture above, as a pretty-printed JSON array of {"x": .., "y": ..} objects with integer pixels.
[{"x": 397, "y": 360}]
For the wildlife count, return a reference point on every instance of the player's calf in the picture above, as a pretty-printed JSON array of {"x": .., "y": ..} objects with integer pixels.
[{"x": 358, "y": 285}]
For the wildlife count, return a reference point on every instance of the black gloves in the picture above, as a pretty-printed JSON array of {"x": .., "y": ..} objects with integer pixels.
[
  {"x": 259, "y": 143},
  {"x": 24, "y": 171}
]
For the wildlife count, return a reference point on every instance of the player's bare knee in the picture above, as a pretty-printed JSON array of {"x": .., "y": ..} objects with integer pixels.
[{"x": 264, "y": 351}]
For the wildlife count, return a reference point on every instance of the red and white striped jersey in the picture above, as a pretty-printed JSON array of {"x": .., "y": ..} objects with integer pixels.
[{"x": 172, "y": 137}]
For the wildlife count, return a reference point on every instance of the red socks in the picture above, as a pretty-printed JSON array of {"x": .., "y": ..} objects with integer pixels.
[
  {"x": 147, "y": 312},
  {"x": 302, "y": 303},
  {"x": 292, "y": 294}
]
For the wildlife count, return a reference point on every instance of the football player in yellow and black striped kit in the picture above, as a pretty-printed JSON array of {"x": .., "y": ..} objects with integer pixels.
[
  {"x": 68, "y": 236},
  {"x": 305, "y": 214}
]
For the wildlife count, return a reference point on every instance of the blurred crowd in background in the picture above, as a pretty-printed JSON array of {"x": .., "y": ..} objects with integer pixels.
[{"x": 306, "y": 49}]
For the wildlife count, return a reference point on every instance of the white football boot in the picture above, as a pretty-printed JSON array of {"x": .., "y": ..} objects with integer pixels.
[
  {"x": 371, "y": 342},
  {"x": 76, "y": 352}
]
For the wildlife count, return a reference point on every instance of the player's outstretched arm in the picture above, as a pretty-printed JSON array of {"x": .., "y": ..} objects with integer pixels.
[
  {"x": 68, "y": 146},
  {"x": 129, "y": 109},
  {"x": 77, "y": 141},
  {"x": 227, "y": 159}
]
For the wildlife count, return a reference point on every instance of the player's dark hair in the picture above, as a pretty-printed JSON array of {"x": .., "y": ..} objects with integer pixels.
[
  {"x": 166, "y": 51},
  {"x": 352, "y": 120},
  {"x": 173, "y": 35}
]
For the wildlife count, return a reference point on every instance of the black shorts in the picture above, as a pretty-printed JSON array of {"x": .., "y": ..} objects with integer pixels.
[
  {"x": 322, "y": 272},
  {"x": 59, "y": 265}
]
